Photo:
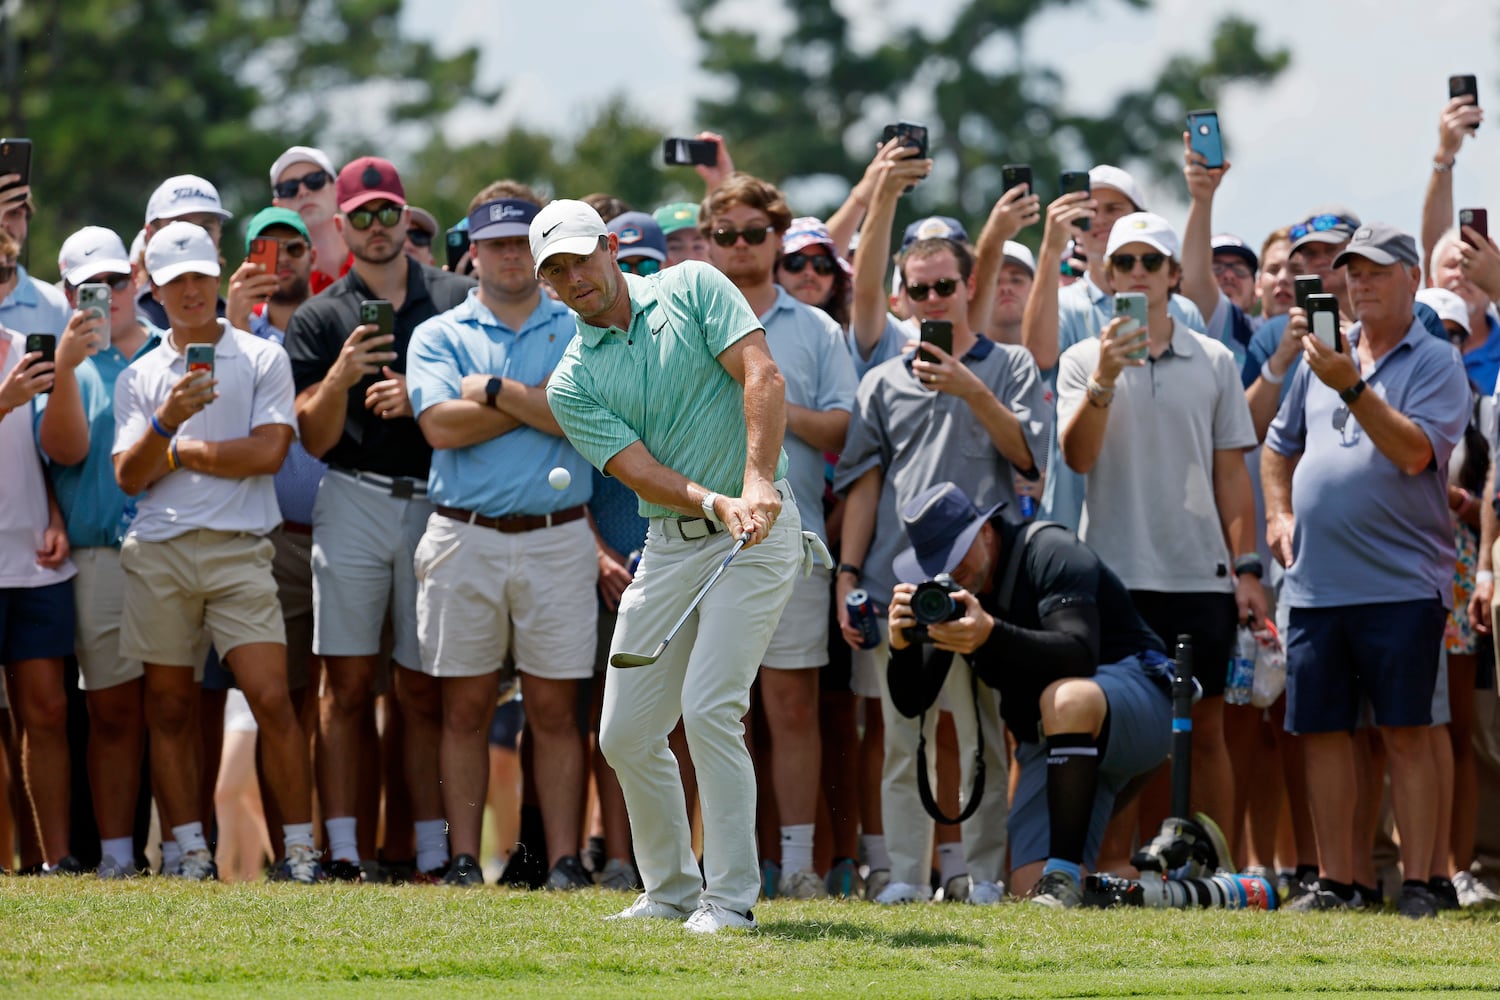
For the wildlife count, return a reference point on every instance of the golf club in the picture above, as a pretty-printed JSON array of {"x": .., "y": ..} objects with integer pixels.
[{"x": 646, "y": 659}]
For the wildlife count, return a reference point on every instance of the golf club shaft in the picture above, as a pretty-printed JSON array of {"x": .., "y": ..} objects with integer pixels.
[{"x": 697, "y": 599}]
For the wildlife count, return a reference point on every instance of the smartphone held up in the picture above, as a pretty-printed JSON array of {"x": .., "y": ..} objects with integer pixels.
[
  {"x": 1204, "y": 137},
  {"x": 1132, "y": 307}
]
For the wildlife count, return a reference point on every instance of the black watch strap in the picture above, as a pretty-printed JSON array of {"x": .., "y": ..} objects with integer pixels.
[
  {"x": 1352, "y": 393},
  {"x": 850, "y": 568},
  {"x": 492, "y": 391}
]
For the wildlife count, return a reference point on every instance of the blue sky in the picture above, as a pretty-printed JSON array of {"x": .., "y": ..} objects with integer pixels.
[{"x": 1354, "y": 119}]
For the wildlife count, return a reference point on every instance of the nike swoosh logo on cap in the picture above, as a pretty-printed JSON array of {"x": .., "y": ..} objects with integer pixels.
[
  {"x": 548, "y": 232},
  {"x": 90, "y": 251}
]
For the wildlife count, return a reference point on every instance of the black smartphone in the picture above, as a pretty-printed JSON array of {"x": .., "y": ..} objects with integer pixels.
[
  {"x": 200, "y": 358},
  {"x": 1305, "y": 285},
  {"x": 911, "y": 134},
  {"x": 1204, "y": 137},
  {"x": 1477, "y": 219},
  {"x": 690, "y": 152},
  {"x": 1323, "y": 319},
  {"x": 457, "y": 243},
  {"x": 1462, "y": 84},
  {"x": 1014, "y": 175},
  {"x": 46, "y": 344},
  {"x": 939, "y": 333},
  {"x": 1075, "y": 180},
  {"x": 15, "y": 158},
  {"x": 379, "y": 312}
]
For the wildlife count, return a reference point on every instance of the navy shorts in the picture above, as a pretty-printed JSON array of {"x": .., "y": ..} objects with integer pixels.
[
  {"x": 1209, "y": 618},
  {"x": 1384, "y": 653},
  {"x": 36, "y": 623},
  {"x": 1140, "y": 737},
  {"x": 506, "y": 723}
]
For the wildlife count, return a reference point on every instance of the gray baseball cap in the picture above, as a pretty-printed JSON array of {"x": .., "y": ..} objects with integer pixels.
[{"x": 1382, "y": 243}]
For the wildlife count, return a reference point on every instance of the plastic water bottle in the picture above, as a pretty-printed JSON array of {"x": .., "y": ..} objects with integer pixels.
[
  {"x": 1241, "y": 669},
  {"x": 127, "y": 517}
]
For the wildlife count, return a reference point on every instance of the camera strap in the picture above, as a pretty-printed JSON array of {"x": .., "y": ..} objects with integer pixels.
[{"x": 1003, "y": 596}]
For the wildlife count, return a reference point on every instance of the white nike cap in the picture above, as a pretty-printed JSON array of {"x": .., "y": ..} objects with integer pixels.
[
  {"x": 565, "y": 226},
  {"x": 181, "y": 248},
  {"x": 90, "y": 251}
]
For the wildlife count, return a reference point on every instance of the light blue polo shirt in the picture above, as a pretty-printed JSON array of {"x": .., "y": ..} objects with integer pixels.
[
  {"x": 93, "y": 505},
  {"x": 808, "y": 347},
  {"x": 1083, "y": 309},
  {"x": 34, "y": 307},
  {"x": 893, "y": 340},
  {"x": 507, "y": 474},
  {"x": 661, "y": 383},
  {"x": 1367, "y": 533}
]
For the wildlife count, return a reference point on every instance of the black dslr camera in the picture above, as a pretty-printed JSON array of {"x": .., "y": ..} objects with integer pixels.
[{"x": 932, "y": 603}]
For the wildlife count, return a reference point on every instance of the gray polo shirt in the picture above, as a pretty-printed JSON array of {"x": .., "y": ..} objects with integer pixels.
[
  {"x": 920, "y": 437},
  {"x": 808, "y": 348},
  {"x": 1149, "y": 510},
  {"x": 1367, "y": 533}
]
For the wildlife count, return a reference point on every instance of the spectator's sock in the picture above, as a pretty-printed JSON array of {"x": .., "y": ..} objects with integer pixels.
[
  {"x": 343, "y": 844},
  {"x": 1343, "y": 890},
  {"x": 1368, "y": 893},
  {"x": 951, "y": 862},
  {"x": 872, "y": 846},
  {"x": 1072, "y": 780},
  {"x": 296, "y": 835},
  {"x": 1073, "y": 868},
  {"x": 796, "y": 847},
  {"x": 190, "y": 837},
  {"x": 122, "y": 849},
  {"x": 171, "y": 856},
  {"x": 432, "y": 844}
]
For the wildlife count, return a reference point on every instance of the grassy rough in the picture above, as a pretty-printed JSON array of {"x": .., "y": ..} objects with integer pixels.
[{"x": 151, "y": 938}]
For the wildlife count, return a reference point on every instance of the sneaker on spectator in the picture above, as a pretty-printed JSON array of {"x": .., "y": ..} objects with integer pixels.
[
  {"x": 710, "y": 918},
  {"x": 524, "y": 869},
  {"x": 568, "y": 873},
  {"x": 433, "y": 876},
  {"x": 1444, "y": 893},
  {"x": 904, "y": 892},
  {"x": 770, "y": 878},
  {"x": 1318, "y": 898},
  {"x": 956, "y": 889},
  {"x": 619, "y": 875},
  {"x": 342, "y": 870},
  {"x": 801, "y": 885},
  {"x": 986, "y": 893},
  {"x": 301, "y": 865},
  {"x": 464, "y": 871},
  {"x": 1058, "y": 890},
  {"x": 842, "y": 881},
  {"x": 593, "y": 856},
  {"x": 372, "y": 872},
  {"x": 198, "y": 866},
  {"x": 109, "y": 868},
  {"x": 1416, "y": 901},
  {"x": 875, "y": 882},
  {"x": 1472, "y": 893},
  {"x": 646, "y": 908},
  {"x": 66, "y": 865}
]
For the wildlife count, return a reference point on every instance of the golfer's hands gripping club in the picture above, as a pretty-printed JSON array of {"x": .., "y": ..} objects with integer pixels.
[{"x": 753, "y": 513}]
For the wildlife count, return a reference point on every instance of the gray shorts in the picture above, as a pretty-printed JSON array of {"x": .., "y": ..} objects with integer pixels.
[
  {"x": 1140, "y": 737},
  {"x": 363, "y": 542}
]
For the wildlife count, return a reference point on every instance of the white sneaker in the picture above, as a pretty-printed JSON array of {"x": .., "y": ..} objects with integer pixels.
[
  {"x": 904, "y": 892},
  {"x": 1474, "y": 894},
  {"x": 198, "y": 866},
  {"x": 711, "y": 918},
  {"x": 801, "y": 885},
  {"x": 986, "y": 893},
  {"x": 875, "y": 882},
  {"x": 302, "y": 866},
  {"x": 646, "y": 908},
  {"x": 956, "y": 889},
  {"x": 110, "y": 869}
]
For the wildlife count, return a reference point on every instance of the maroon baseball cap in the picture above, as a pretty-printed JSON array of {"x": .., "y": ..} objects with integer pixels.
[{"x": 366, "y": 179}]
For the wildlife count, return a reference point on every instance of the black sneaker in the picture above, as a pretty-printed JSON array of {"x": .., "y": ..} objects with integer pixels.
[
  {"x": 1416, "y": 901},
  {"x": 1318, "y": 898},
  {"x": 1444, "y": 893},
  {"x": 464, "y": 871},
  {"x": 568, "y": 873},
  {"x": 66, "y": 865},
  {"x": 341, "y": 871},
  {"x": 525, "y": 870}
]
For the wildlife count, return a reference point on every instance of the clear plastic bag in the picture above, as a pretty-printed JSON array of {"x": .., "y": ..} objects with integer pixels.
[{"x": 1270, "y": 667}]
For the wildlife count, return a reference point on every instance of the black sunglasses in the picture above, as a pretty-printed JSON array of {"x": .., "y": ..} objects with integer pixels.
[
  {"x": 640, "y": 265},
  {"x": 313, "y": 182},
  {"x": 754, "y": 236},
  {"x": 363, "y": 218},
  {"x": 1125, "y": 262},
  {"x": 793, "y": 263},
  {"x": 419, "y": 237},
  {"x": 943, "y": 286},
  {"x": 116, "y": 282}
]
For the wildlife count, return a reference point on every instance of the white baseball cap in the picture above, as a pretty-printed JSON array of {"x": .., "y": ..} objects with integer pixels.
[
  {"x": 1106, "y": 176},
  {"x": 1143, "y": 227},
  {"x": 1447, "y": 304},
  {"x": 182, "y": 195},
  {"x": 1020, "y": 253},
  {"x": 90, "y": 251},
  {"x": 303, "y": 154},
  {"x": 565, "y": 226},
  {"x": 181, "y": 248}
]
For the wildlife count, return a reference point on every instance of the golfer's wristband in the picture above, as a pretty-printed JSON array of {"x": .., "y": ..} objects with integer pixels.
[{"x": 708, "y": 507}]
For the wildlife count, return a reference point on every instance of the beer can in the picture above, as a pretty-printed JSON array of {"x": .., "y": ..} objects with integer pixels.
[{"x": 864, "y": 617}]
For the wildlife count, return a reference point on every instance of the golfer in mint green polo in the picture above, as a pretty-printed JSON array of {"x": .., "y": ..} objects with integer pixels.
[{"x": 670, "y": 388}]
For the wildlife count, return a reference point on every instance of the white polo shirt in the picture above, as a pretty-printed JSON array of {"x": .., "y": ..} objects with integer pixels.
[
  {"x": 255, "y": 389},
  {"x": 23, "y": 495}
]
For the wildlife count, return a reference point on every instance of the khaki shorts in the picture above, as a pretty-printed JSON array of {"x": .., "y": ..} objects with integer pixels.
[
  {"x": 200, "y": 587},
  {"x": 99, "y": 593},
  {"x": 481, "y": 592},
  {"x": 801, "y": 638}
]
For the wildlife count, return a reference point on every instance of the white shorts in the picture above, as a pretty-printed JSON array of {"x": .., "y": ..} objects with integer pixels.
[
  {"x": 801, "y": 638},
  {"x": 481, "y": 592}
]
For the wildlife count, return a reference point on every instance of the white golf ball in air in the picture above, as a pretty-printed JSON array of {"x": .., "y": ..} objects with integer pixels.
[{"x": 559, "y": 478}]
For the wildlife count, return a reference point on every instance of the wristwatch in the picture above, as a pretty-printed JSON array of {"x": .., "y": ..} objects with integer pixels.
[
  {"x": 1352, "y": 393},
  {"x": 492, "y": 391},
  {"x": 709, "y": 499}
]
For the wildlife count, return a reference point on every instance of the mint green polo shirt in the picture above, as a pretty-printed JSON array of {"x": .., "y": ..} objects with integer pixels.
[{"x": 660, "y": 382}]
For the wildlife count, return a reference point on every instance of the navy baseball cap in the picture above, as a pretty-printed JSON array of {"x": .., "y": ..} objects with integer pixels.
[
  {"x": 501, "y": 217},
  {"x": 941, "y": 522},
  {"x": 640, "y": 236},
  {"x": 934, "y": 227}
]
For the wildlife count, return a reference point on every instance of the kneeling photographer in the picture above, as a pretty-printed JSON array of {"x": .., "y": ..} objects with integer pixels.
[{"x": 1083, "y": 682}]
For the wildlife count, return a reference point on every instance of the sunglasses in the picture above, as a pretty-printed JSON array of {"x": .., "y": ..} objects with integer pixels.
[
  {"x": 943, "y": 286},
  {"x": 294, "y": 249},
  {"x": 1125, "y": 262},
  {"x": 1321, "y": 224},
  {"x": 754, "y": 236},
  {"x": 793, "y": 263},
  {"x": 419, "y": 237},
  {"x": 363, "y": 218},
  {"x": 116, "y": 282},
  {"x": 313, "y": 182},
  {"x": 641, "y": 266}
]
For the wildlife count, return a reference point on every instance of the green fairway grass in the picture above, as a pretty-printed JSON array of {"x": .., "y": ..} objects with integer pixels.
[{"x": 153, "y": 938}]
